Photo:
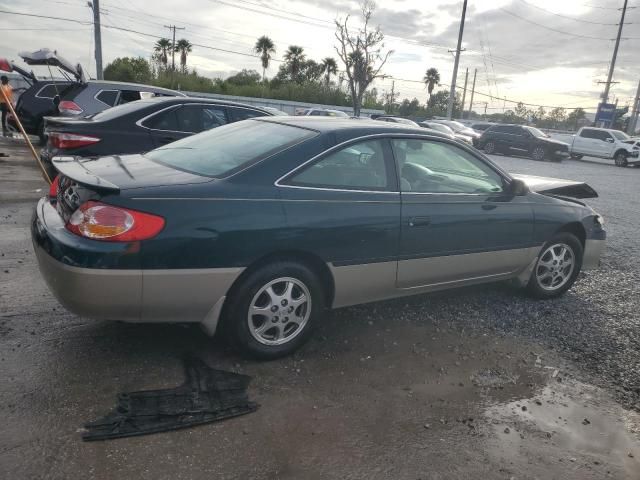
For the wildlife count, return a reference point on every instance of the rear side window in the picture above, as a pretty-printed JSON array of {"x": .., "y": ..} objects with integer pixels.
[
  {"x": 165, "y": 120},
  {"x": 108, "y": 97},
  {"x": 238, "y": 114},
  {"x": 358, "y": 166},
  {"x": 223, "y": 151},
  {"x": 127, "y": 96},
  {"x": 51, "y": 90},
  {"x": 587, "y": 133}
]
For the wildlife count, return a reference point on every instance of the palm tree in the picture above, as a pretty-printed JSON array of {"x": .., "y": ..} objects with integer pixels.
[
  {"x": 329, "y": 67},
  {"x": 294, "y": 58},
  {"x": 183, "y": 46},
  {"x": 162, "y": 48},
  {"x": 264, "y": 47},
  {"x": 431, "y": 79}
]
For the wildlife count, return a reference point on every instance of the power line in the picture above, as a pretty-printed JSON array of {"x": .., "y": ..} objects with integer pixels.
[
  {"x": 550, "y": 28},
  {"x": 566, "y": 16}
]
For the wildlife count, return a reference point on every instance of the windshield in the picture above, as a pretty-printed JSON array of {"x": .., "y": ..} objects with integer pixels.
[
  {"x": 620, "y": 135},
  {"x": 227, "y": 149},
  {"x": 536, "y": 133}
]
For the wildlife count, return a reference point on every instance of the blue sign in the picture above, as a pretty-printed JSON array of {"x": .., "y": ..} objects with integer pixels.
[{"x": 606, "y": 113}]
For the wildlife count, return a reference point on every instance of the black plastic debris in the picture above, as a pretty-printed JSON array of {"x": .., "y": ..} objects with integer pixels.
[{"x": 208, "y": 395}]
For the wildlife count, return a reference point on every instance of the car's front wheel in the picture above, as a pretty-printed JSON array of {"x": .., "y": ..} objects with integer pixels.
[
  {"x": 273, "y": 311},
  {"x": 557, "y": 266},
  {"x": 621, "y": 159},
  {"x": 538, "y": 153}
]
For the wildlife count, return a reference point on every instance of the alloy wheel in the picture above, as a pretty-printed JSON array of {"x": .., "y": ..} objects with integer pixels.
[
  {"x": 538, "y": 153},
  {"x": 555, "y": 266},
  {"x": 489, "y": 148},
  {"x": 279, "y": 311},
  {"x": 621, "y": 160}
]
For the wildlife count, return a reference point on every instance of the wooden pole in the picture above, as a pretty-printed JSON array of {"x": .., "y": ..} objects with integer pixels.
[{"x": 26, "y": 137}]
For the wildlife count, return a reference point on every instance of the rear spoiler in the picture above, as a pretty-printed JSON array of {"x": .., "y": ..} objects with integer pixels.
[{"x": 73, "y": 168}]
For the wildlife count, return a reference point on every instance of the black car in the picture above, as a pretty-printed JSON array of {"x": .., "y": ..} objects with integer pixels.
[
  {"x": 263, "y": 224},
  {"x": 521, "y": 140},
  {"x": 139, "y": 126}
]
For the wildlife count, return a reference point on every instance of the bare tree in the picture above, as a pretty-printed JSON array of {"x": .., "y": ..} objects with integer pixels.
[{"x": 361, "y": 53}]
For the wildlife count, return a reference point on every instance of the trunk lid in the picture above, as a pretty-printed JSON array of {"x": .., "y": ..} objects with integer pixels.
[
  {"x": 122, "y": 172},
  {"x": 557, "y": 186},
  {"x": 46, "y": 56}
]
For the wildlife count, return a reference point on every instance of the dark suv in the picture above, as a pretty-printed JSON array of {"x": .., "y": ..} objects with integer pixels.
[{"x": 521, "y": 140}]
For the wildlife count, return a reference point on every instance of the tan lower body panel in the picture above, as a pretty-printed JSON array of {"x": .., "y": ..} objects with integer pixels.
[{"x": 355, "y": 284}]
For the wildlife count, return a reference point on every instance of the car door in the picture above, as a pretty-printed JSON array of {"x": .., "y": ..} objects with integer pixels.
[
  {"x": 606, "y": 143},
  {"x": 521, "y": 139},
  {"x": 459, "y": 223},
  {"x": 345, "y": 206},
  {"x": 586, "y": 142}
]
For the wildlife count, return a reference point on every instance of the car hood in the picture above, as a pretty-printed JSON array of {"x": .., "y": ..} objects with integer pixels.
[
  {"x": 46, "y": 56},
  {"x": 554, "y": 142},
  {"x": 557, "y": 186},
  {"x": 122, "y": 172}
]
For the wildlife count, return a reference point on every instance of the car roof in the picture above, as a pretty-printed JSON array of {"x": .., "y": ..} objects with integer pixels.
[
  {"x": 214, "y": 101},
  {"x": 141, "y": 86},
  {"x": 341, "y": 124}
]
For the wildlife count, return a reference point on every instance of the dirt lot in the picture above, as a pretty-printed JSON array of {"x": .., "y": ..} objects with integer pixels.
[{"x": 476, "y": 383}]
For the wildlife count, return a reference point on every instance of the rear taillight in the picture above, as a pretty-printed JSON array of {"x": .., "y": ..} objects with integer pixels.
[
  {"x": 99, "y": 221},
  {"x": 53, "y": 189},
  {"x": 71, "y": 140},
  {"x": 67, "y": 107}
]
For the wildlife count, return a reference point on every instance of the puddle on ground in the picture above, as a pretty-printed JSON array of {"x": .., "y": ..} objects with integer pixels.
[{"x": 568, "y": 422}]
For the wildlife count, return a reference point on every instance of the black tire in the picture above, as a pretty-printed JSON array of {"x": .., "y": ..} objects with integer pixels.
[
  {"x": 490, "y": 147},
  {"x": 576, "y": 156},
  {"x": 539, "y": 153},
  {"x": 236, "y": 311},
  {"x": 621, "y": 159},
  {"x": 535, "y": 288}
]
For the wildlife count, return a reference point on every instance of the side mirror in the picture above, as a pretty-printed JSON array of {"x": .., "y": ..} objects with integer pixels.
[
  {"x": 608, "y": 139},
  {"x": 518, "y": 188}
]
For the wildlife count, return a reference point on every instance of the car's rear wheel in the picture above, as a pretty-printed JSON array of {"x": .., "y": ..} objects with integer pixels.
[
  {"x": 490, "y": 147},
  {"x": 557, "y": 266},
  {"x": 538, "y": 153},
  {"x": 273, "y": 311},
  {"x": 621, "y": 159}
]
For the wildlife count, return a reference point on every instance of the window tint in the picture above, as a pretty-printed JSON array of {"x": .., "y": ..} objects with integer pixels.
[
  {"x": 213, "y": 116},
  {"x": 500, "y": 129},
  {"x": 127, "y": 96},
  {"x": 587, "y": 133},
  {"x": 318, "y": 113},
  {"x": 225, "y": 150},
  {"x": 602, "y": 135},
  {"x": 165, "y": 120},
  {"x": 435, "y": 167},
  {"x": 108, "y": 97},
  {"x": 51, "y": 90},
  {"x": 238, "y": 114},
  {"x": 358, "y": 166}
]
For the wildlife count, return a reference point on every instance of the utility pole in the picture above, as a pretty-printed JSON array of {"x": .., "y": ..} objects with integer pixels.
[
  {"x": 473, "y": 90},
  {"x": 464, "y": 92},
  {"x": 95, "y": 6},
  {"x": 452, "y": 90},
  {"x": 605, "y": 95},
  {"x": 633, "y": 119},
  {"x": 173, "y": 49}
]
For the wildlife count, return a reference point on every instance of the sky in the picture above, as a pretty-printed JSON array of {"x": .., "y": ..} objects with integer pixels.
[{"x": 541, "y": 52}]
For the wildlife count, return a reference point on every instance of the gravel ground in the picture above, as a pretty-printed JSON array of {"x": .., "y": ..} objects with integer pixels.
[{"x": 475, "y": 382}]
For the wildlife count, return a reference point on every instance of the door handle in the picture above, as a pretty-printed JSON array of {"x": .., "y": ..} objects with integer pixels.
[
  {"x": 488, "y": 206},
  {"x": 419, "y": 221}
]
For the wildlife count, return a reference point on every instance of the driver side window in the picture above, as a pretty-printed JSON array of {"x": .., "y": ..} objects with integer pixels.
[{"x": 436, "y": 167}]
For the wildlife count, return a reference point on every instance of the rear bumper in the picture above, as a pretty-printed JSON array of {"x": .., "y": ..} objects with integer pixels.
[{"x": 125, "y": 294}]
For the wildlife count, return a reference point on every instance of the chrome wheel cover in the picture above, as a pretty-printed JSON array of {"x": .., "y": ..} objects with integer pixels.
[
  {"x": 555, "y": 267},
  {"x": 279, "y": 311}
]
